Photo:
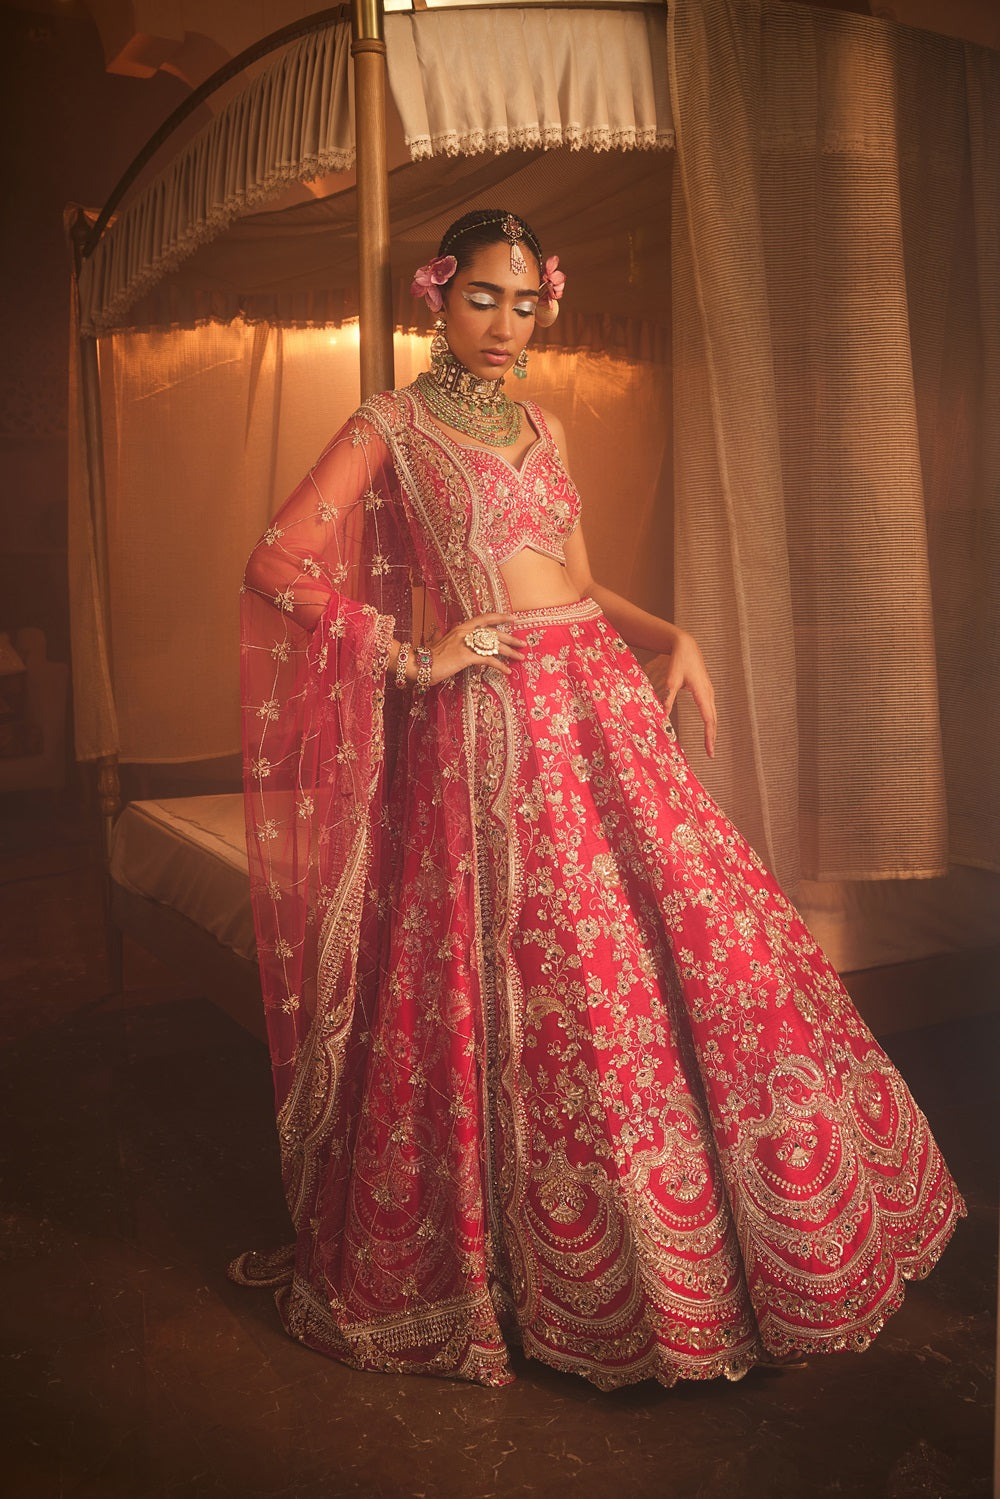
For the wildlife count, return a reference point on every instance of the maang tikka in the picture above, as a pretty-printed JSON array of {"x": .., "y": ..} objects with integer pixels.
[{"x": 513, "y": 233}]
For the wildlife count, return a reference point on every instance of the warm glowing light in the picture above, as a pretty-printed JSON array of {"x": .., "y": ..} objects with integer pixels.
[{"x": 345, "y": 335}]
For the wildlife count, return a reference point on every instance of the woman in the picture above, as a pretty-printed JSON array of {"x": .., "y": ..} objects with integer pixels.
[{"x": 555, "y": 1060}]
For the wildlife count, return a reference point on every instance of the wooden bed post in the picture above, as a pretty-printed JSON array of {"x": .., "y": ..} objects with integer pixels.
[{"x": 375, "y": 284}]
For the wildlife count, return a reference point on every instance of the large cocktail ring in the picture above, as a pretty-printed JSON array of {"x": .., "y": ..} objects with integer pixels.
[{"x": 484, "y": 641}]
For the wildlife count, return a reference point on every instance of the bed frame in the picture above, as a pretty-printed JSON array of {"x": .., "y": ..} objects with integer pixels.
[
  {"x": 232, "y": 982},
  {"x": 226, "y": 977}
]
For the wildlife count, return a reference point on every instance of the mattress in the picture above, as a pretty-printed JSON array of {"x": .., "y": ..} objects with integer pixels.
[{"x": 190, "y": 853}]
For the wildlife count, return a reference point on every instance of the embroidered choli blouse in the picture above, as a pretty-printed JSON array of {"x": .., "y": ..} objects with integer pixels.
[{"x": 535, "y": 506}]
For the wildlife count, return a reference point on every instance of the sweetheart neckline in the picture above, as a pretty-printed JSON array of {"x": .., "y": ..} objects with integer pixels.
[
  {"x": 518, "y": 473},
  {"x": 467, "y": 447}
]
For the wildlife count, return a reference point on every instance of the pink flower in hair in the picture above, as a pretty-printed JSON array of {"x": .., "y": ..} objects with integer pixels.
[
  {"x": 553, "y": 281},
  {"x": 432, "y": 275}
]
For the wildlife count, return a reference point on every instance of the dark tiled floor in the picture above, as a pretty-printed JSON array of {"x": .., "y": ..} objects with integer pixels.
[{"x": 140, "y": 1155}]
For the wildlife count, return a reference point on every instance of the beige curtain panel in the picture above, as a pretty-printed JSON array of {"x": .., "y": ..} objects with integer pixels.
[{"x": 836, "y": 260}]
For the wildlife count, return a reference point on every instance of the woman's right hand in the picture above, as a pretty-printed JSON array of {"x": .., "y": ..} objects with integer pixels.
[{"x": 450, "y": 654}]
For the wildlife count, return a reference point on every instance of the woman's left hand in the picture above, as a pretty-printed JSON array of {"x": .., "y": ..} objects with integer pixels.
[{"x": 685, "y": 667}]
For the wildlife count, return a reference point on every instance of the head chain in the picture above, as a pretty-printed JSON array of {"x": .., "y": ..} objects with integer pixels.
[{"x": 513, "y": 230}]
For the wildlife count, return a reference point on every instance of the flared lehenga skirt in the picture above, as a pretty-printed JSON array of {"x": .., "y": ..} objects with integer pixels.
[
  {"x": 701, "y": 1152},
  {"x": 617, "y": 1106}
]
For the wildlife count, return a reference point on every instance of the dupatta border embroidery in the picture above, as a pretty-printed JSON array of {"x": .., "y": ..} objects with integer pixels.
[{"x": 396, "y": 416}]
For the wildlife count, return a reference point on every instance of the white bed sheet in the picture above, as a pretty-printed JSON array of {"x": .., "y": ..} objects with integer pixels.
[{"x": 190, "y": 853}]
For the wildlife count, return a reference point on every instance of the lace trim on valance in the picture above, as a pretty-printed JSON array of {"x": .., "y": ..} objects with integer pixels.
[{"x": 533, "y": 137}]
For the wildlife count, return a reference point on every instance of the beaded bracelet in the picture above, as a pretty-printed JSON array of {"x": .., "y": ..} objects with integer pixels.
[
  {"x": 424, "y": 662},
  {"x": 401, "y": 660}
]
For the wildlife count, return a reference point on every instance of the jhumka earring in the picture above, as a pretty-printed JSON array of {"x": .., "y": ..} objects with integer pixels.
[
  {"x": 521, "y": 365},
  {"x": 439, "y": 348}
]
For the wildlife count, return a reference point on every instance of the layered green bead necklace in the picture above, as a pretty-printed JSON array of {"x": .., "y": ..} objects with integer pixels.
[{"x": 458, "y": 398}]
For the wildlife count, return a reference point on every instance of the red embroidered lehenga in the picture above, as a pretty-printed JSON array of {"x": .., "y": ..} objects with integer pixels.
[{"x": 555, "y": 1060}]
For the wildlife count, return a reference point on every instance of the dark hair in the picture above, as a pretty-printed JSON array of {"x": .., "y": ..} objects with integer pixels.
[{"x": 484, "y": 226}]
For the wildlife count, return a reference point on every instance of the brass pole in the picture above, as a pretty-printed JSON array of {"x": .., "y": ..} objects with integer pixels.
[
  {"x": 109, "y": 789},
  {"x": 90, "y": 383},
  {"x": 90, "y": 388},
  {"x": 108, "y": 780},
  {"x": 374, "y": 281}
]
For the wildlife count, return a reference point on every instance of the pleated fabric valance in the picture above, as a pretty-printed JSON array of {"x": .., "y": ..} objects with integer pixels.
[
  {"x": 293, "y": 122},
  {"x": 512, "y": 79},
  {"x": 583, "y": 79}
]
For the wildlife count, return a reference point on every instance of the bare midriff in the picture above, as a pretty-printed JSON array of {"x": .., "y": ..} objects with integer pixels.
[{"x": 535, "y": 581}]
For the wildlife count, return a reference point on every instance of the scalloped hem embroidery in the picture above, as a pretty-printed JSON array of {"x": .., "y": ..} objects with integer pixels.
[
  {"x": 737, "y": 1364},
  {"x": 490, "y": 1370}
]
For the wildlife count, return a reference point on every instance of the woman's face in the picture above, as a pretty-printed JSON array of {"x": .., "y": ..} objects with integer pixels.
[{"x": 490, "y": 311}]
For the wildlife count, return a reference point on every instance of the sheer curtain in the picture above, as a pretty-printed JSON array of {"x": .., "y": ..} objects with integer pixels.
[
  {"x": 836, "y": 261},
  {"x": 207, "y": 431}
]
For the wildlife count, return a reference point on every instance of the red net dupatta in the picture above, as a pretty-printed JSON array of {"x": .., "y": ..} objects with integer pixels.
[
  {"x": 323, "y": 589},
  {"x": 363, "y": 876}
]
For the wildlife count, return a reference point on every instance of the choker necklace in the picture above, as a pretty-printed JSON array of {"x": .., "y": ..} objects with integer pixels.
[{"x": 460, "y": 399}]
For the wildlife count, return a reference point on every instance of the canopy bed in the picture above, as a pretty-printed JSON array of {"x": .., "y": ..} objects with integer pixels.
[{"x": 784, "y": 240}]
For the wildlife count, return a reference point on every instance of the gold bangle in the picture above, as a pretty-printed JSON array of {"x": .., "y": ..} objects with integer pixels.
[
  {"x": 401, "y": 660},
  {"x": 424, "y": 663}
]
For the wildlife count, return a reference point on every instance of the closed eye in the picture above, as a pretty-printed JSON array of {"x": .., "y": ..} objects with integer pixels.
[{"x": 487, "y": 303}]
